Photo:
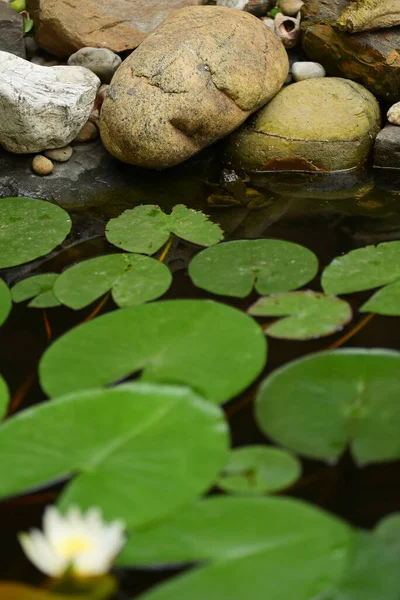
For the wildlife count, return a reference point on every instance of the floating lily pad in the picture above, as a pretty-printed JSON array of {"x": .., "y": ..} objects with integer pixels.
[
  {"x": 146, "y": 228},
  {"x": 269, "y": 266},
  {"x": 38, "y": 287},
  {"x": 30, "y": 228},
  {"x": 5, "y": 301},
  {"x": 385, "y": 301},
  {"x": 215, "y": 349},
  {"x": 254, "y": 548},
  {"x": 319, "y": 404},
  {"x": 124, "y": 449},
  {"x": 4, "y": 397},
  {"x": 259, "y": 470},
  {"x": 133, "y": 279},
  {"x": 363, "y": 269},
  {"x": 311, "y": 315}
]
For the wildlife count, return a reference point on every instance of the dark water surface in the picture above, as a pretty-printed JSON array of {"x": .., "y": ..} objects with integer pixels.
[{"x": 330, "y": 216}]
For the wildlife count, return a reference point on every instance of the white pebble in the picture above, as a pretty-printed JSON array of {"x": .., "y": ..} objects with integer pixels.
[
  {"x": 394, "y": 114},
  {"x": 307, "y": 70}
]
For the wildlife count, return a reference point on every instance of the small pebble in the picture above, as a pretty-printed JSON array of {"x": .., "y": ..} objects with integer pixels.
[
  {"x": 42, "y": 165},
  {"x": 88, "y": 133},
  {"x": 394, "y": 114},
  {"x": 59, "y": 154},
  {"x": 307, "y": 70},
  {"x": 101, "y": 61},
  {"x": 290, "y": 7}
]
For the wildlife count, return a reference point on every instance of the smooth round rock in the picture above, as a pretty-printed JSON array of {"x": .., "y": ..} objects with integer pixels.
[
  {"x": 326, "y": 124},
  {"x": 182, "y": 89},
  {"x": 88, "y": 133},
  {"x": 59, "y": 154},
  {"x": 393, "y": 114},
  {"x": 101, "y": 61},
  {"x": 42, "y": 165},
  {"x": 307, "y": 70}
]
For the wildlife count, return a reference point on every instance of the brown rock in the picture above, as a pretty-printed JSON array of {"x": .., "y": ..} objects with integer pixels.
[
  {"x": 370, "y": 58},
  {"x": 63, "y": 27},
  {"x": 42, "y": 165},
  {"x": 182, "y": 89},
  {"x": 88, "y": 133}
]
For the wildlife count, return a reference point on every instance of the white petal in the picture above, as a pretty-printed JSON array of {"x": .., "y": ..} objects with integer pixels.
[
  {"x": 40, "y": 553},
  {"x": 54, "y": 527}
]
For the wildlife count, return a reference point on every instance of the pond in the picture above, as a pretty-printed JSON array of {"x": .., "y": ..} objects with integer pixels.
[{"x": 331, "y": 215}]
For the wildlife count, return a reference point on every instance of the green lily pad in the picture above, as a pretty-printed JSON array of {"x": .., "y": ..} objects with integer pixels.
[
  {"x": 211, "y": 347},
  {"x": 146, "y": 228},
  {"x": 30, "y": 228},
  {"x": 122, "y": 447},
  {"x": 38, "y": 287},
  {"x": 311, "y": 315},
  {"x": 5, "y": 301},
  {"x": 363, "y": 269},
  {"x": 4, "y": 397},
  {"x": 272, "y": 548},
  {"x": 269, "y": 266},
  {"x": 385, "y": 301},
  {"x": 133, "y": 279},
  {"x": 319, "y": 404},
  {"x": 259, "y": 470}
]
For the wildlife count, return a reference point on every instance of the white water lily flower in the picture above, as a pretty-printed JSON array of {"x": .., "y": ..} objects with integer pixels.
[{"x": 81, "y": 543}]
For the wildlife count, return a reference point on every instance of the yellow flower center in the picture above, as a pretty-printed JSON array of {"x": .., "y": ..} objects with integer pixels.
[{"x": 72, "y": 546}]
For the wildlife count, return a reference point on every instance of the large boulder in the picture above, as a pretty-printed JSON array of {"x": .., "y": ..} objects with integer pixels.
[
  {"x": 63, "y": 27},
  {"x": 370, "y": 58},
  {"x": 324, "y": 124},
  {"x": 196, "y": 79},
  {"x": 42, "y": 107}
]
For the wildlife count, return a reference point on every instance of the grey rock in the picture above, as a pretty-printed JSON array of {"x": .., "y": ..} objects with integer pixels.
[
  {"x": 101, "y": 61},
  {"x": 42, "y": 107},
  {"x": 59, "y": 154},
  {"x": 11, "y": 31},
  {"x": 387, "y": 148}
]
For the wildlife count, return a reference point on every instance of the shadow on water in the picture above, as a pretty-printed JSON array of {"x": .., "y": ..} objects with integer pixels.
[{"x": 329, "y": 215}]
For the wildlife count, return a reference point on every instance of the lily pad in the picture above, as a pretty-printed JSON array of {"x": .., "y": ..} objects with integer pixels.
[
  {"x": 272, "y": 548},
  {"x": 311, "y": 315},
  {"x": 38, "y": 287},
  {"x": 363, "y": 269},
  {"x": 133, "y": 279},
  {"x": 30, "y": 228},
  {"x": 5, "y": 301},
  {"x": 215, "y": 349},
  {"x": 319, "y": 404},
  {"x": 4, "y": 397},
  {"x": 146, "y": 228},
  {"x": 385, "y": 301},
  {"x": 259, "y": 470},
  {"x": 124, "y": 449},
  {"x": 269, "y": 266}
]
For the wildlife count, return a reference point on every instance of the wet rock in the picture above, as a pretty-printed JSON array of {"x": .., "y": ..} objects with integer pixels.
[
  {"x": 101, "y": 61},
  {"x": 387, "y": 148},
  {"x": 11, "y": 31},
  {"x": 62, "y": 27},
  {"x": 319, "y": 124},
  {"x": 88, "y": 133},
  {"x": 307, "y": 70},
  {"x": 42, "y": 107},
  {"x": 42, "y": 165},
  {"x": 181, "y": 91},
  {"x": 59, "y": 154},
  {"x": 393, "y": 114},
  {"x": 372, "y": 58}
]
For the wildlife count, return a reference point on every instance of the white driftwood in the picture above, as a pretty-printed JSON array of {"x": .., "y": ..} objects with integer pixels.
[{"x": 42, "y": 107}]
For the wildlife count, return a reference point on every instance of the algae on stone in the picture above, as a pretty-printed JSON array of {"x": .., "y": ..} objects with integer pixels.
[
  {"x": 318, "y": 124},
  {"x": 367, "y": 15}
]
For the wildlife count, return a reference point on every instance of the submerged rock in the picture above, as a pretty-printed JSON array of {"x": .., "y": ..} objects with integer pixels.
[
  {"x": 367, "y": 15},
  {"x": 370, "y": 58},
  {"x": 42, "y": 107},
  {"x": 11, "y": 31},
  {"x": 319, "y": 124},
  {"x": 101, "y": 61},
  {"x": 62, "y": 27},
  {"x": 182, "y": 90}
]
